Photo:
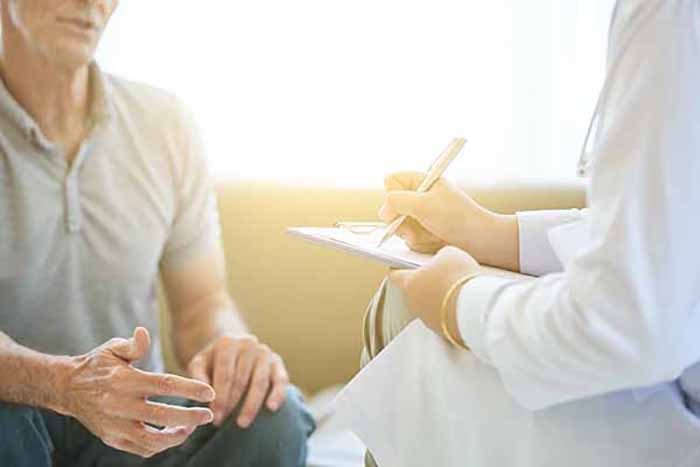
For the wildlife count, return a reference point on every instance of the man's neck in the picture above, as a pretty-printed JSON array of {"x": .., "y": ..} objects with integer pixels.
[{"x": 56, "y": 98}]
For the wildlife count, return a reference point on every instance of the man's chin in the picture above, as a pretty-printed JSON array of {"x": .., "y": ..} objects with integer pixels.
[{"x": 71, "y": 55}]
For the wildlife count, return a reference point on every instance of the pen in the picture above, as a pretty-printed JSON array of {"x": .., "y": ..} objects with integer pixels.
[{"x": 434, "y": 173}]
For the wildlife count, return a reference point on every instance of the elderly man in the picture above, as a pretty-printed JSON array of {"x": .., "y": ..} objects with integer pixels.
[{"x": 103, "y": 186}]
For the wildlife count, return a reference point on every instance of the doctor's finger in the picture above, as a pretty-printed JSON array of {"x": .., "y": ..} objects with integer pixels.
[
  {"x": 412, "y": 230},
  {"x": 426, "y": 247},
  {"x": 407, "y": 180},
  {"x": 407, "y": 203},
  {"x": 408, "y": 232},
  {"x": 401, "y": 277}
]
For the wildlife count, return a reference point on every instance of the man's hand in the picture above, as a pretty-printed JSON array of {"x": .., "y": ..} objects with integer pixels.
[
  {"x": 109, "y": 397},
  {"x": 234, "y": 365},
  {"x": 425, "y": 288}
]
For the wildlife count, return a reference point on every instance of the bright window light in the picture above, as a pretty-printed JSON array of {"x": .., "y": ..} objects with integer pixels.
[{"x": 342, "y": 92}]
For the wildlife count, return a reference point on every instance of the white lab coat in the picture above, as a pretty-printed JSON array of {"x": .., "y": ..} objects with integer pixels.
[
  {"x": 421, "y": 403},
  {"x": 620, "y": 307},
  {"x": 593, "y": 363}
]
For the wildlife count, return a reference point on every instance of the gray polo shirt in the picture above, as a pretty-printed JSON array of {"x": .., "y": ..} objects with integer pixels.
[{"x": 81, "y": 246}]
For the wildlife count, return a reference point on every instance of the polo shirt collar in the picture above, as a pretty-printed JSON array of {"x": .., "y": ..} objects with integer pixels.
[
  {"x": 14, "y": 112},
  {"x": 101, "y": 107},
  {"x": 101, "y": 102}
]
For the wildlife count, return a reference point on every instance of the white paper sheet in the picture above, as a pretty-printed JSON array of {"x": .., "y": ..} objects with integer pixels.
[
  {"x": 421, "y": 403},
  {"x": 394, "y": 253}
]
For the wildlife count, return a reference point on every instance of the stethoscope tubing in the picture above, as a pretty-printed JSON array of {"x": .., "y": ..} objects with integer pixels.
[{"x": 584, "y": 161}]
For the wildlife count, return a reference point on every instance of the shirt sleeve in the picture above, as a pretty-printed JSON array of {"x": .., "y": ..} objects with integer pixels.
[
  {"x": 537, "y": 257},
  {"x": 624, "y": 313},
  {"x": 195, "y": 227}
]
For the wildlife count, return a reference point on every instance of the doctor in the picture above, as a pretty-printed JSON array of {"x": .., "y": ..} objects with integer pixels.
[{"x": 617, "y": 303}]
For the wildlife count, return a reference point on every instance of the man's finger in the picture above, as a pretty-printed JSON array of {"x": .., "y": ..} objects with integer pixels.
[
  {"x": 241, "y": 380},
  {"x": 280, "y": 384},
  {"x": 154, "y": 384},
  {"x": 257, "y": 391},
  {"x": 125, "y": 445},
  {"x": 404, "y": 181},
  {"x": 199, "y": 368},
  {"x": 134, "y": 348},
  {"x": 153, "y": 440},
  {"x": 225, "y": 361},
  {"x": 160, "y": 414}
]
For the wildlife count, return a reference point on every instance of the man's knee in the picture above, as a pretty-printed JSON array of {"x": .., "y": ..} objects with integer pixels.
[
  {"x": 284, "y": 434},
  {"x": 275, "y": 439},
  {"x": 24, "y": 439}
]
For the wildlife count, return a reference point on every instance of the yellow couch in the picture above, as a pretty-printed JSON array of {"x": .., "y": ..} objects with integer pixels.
[{"x": 308, "y": 301}]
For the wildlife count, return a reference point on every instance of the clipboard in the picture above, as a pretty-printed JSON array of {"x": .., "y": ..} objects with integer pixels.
[{"x": 394, "y": 253}]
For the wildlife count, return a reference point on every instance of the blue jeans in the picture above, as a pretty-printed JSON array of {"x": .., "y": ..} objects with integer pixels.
[{"x": 37, "y": 438}]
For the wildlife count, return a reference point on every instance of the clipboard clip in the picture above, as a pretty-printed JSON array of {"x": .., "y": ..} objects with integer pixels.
[{"x": 361, "y": 228}]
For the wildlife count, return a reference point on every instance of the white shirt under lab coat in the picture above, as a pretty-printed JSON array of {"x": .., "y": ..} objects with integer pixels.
[{"x": 619, "y": 306}]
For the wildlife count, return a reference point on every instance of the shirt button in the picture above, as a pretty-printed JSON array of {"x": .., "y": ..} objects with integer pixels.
[{"x": 33, "y": 136}]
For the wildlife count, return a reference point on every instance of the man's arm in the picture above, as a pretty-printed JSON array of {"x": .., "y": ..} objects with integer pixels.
[
  {"x": 201, "y": 307},
  {"x": 211, "y": 339},
  {"x": 105, "y": 393},
  {"x": 213, "y": 343},
  {"x": 30, "y": 378}
]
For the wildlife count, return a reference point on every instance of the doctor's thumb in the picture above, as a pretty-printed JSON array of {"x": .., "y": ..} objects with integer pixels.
[{"x": 401, "y": 277}]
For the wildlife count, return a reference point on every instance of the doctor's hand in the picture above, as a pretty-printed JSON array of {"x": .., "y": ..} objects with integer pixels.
[
  {"x": 425, "y": 288},
  {"x": 238, "y": 365},
  {"x": 446, "y": 215}
]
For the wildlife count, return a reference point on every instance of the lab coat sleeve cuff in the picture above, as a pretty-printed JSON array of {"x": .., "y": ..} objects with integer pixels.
[
  {"x": 537, "y": 257},
  {"x": 473, "y": 303}
]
